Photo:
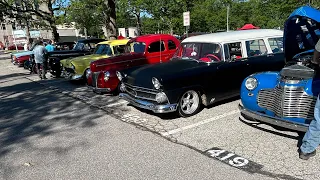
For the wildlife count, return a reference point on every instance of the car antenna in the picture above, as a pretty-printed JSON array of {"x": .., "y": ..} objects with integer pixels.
[{"x": 160, "y": 50}]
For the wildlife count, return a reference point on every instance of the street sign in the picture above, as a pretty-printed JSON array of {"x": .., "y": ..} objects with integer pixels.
[{"x": 186, "y": 18}]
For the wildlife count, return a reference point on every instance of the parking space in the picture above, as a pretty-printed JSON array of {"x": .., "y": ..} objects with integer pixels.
[{"x": 218, "y": 132}]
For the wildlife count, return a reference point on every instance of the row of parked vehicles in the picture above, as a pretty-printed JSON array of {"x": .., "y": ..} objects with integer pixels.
[{"x": 269, "y": 68}]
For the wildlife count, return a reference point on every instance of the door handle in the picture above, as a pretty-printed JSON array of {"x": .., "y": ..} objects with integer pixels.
[{"x": 270, "y": 55}]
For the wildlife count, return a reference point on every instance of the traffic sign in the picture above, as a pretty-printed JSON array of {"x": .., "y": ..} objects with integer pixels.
[{"x": 186, "y": 18}]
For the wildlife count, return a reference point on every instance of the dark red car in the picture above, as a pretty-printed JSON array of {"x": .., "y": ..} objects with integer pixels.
[
  {"x": 146, "y": 49},
  {"x": 20, "y": 61}
]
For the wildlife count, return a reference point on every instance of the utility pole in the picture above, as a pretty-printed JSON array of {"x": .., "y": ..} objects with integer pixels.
[{"x": 228, "y": 8}]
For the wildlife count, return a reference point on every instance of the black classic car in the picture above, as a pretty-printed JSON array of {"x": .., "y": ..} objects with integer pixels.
[
  {"x": 205, "y": 69},
  {"x": 83, "y": 47}
]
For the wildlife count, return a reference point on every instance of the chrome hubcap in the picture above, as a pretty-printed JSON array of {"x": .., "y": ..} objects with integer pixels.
[{"x": 189, "y": 102}]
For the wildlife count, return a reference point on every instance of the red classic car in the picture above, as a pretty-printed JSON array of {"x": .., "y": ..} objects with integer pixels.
[
  {"x": 20, "y": 60},
  {"x": 146, "y": 49}
]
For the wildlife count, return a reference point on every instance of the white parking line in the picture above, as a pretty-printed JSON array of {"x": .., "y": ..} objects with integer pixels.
[
  {"x": 115, "y": 104},
  {"x": 200, "y": 123}
]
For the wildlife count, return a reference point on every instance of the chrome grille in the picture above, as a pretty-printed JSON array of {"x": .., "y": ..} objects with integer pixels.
[
  {"x": 290, "y": 102},
  {"x": 95, "y": 79},
  {"x": 141, "y": 93}
]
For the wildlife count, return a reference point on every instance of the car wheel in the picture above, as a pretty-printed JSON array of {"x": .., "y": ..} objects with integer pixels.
[{"x": 189, "y": 104}]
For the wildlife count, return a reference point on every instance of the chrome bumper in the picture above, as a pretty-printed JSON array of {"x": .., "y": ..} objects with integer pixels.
[
  {"x": 99, "y": 90},
  {"x": 273, "y": 120},
  {"x": 71, "y": 76},
  {"x": 149, "y": 105}
]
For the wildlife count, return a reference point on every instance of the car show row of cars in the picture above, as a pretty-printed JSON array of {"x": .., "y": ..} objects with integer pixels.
[{"x": 270, "y": 70}]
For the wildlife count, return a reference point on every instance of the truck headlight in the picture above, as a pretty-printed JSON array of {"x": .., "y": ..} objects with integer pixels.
[
  {"x": 119, "y": 75},
  {"x": 161, "y": 97},
  {"x": 251, "y": 83},
  {"x": 156, "y": 83},
  {"x": 88, "y": 72},
  {"x": 73, "y": 67},
  {"x": 106, "y": 76}
]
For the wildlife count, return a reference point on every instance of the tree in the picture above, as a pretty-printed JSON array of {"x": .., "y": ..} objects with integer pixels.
[{"x": 40, "y": 12}]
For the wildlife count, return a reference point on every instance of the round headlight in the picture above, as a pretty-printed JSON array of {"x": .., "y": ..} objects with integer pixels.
[
  {"x": 88, "y": 72},
  {"x": 156, "y": 83},
  {"x": 119, "y": 75},
  {"x": 251, "y": 83},
  {"x": 106, "y": 76},
  {"x": 161, "y": 97},
  {"x": 122, "y": 87}
]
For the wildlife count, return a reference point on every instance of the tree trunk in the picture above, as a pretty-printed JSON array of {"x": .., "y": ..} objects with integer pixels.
[
  {"x": 27, "y": 30},
  {"x": 111, "y": 27},
  {"x": 52, "y": 22},
  {"x": 138, "y": 23}
]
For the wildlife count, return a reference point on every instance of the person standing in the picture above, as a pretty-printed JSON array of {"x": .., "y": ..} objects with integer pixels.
[
  {"x": 311, "y": 139},
  {"x": 49, "y": 46},
  {"x": 40, "y": 54}
]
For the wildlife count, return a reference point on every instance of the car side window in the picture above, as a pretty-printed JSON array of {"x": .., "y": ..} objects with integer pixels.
[
  {"x": 256, "y": 47},
  {"x": 276, "y": 44},
  {"x": 233, "y": 51},
  {"x": 171, "y": 45},
  {"x": 156, "y": 47},
  {"x": 119, "y": 49}
]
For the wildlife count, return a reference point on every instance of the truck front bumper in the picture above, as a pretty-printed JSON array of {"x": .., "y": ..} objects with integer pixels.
[
  {"x": 156, "y": 108},
  {"x": 272, "y": 120}
]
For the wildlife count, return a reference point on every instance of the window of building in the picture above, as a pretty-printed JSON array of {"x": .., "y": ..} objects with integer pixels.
[{"x": 156, "y": 47}]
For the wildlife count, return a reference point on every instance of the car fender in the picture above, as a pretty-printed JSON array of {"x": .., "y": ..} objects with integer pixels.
[{"x": 265, "y": 80}]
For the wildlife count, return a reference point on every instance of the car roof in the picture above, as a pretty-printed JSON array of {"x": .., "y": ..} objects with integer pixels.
[
  {"x": 221, "y": 37},
  {"x": 151, "y": 37},
  {"x": 91, "y": 39},
  {"x": 115, "y": 42}
]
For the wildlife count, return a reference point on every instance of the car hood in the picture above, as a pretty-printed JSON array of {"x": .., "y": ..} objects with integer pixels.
[
  {"x": 301, "y": 31},
  {"x": 168, "y": 71},
  {"x": 64, "y": 52},
  {"x": 83, "y": 60},
  {"x": 25, "y": 53}
]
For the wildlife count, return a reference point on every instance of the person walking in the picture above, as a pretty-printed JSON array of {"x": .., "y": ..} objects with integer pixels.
[
  {"x": 40, "y": 58},
  {"x": 311, "y": 139}
]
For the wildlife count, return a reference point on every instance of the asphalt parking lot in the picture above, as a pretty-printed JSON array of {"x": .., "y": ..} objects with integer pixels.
[{"x": 219, "y": 132}]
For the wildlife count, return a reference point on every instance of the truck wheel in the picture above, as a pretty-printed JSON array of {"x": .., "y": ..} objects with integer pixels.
[{"x": 189, "y": 104}]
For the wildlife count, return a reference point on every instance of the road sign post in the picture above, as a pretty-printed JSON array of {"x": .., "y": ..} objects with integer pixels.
[{"x": 186, "y": 21}]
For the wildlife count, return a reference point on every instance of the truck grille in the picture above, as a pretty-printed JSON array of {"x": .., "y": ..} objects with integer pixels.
[
  {"x": 95, "y": 78},
  {"x": 141, "y": 93},
  {"x": 290, "y": 102}
]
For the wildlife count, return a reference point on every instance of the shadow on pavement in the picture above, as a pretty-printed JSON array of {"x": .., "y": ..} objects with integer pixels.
[{"x": 28, "y": 110}]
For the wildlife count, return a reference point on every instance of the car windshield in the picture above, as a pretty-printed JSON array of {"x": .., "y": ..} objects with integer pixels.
[
  {"x": 203, "y": 52},
  {"x": 81, "y": 46},
  {"x": 137, "y": 47},
  {"x": 103, "y": 49}
]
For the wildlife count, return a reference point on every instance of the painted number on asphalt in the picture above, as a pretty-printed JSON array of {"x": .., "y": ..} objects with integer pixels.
[{"x": 233, "y": 159}]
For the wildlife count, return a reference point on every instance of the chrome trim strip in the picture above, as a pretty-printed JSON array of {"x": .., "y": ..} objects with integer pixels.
[{"x": 273, "y": 120}]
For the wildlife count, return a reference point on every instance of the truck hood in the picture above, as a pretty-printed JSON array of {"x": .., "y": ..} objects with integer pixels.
[
  {"x": 168, "y": 71},
  {"x": 104, "y": 64},
  {"x": 301, "y": 31},
  {"x": 83, "y": 60}
]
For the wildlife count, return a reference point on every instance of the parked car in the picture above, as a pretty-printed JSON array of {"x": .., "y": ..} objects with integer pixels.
[
  {"x": 77, "y": 68},
  {"x": 83, "y": 47},
  {"x": 287, "y": 98},
  {"x": 13, "y": 47},
  {"x": 19, "y": 58},
  {"x": 205, "y": 69},
  {"x": 142, "y": 50}
]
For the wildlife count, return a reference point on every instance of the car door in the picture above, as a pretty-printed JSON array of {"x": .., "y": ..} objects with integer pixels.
[
  {"x": 171, "y": 48},
  {"x": 235, "y": 68},
  {"x": 276, "y": 57},
  {"x": 262, "y": 57},
  {"x": 155, "y": 51}
]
